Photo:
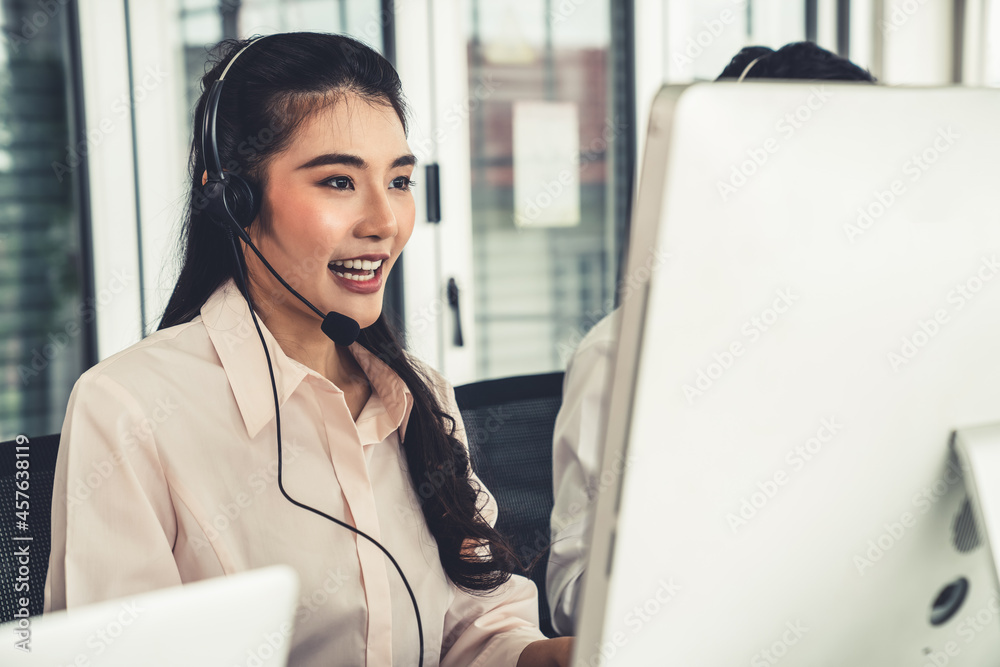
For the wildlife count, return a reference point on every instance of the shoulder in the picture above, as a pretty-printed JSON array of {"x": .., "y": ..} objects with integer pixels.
[
  {"x": 176, "y": 354},
  {"x": 602, "y": 339},
  {"x": 605, "y": 332}
]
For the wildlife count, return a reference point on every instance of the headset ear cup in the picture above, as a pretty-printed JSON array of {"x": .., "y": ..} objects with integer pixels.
[
  {"x": 242, "y": 199},
  {"x": 212, "y": 194},
  {"x": 229, "y": 201}
]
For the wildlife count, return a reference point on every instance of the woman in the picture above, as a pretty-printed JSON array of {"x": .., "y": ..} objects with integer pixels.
[{"x": 198, "y": 475}]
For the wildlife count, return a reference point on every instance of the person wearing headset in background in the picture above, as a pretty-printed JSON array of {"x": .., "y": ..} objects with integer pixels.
[
  {"x": 167, "y": 471},
  {"x": 579, "y": 430}
]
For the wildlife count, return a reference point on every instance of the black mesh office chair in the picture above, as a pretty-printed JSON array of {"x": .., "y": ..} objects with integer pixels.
[
  {"x": 509, "y": 423},
  {"x": 41, "y": 469}
]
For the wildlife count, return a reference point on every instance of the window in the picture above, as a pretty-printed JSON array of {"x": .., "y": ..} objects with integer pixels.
[
  {"x": 547, "y": 206},
  {"x": 46, "y": 313}
]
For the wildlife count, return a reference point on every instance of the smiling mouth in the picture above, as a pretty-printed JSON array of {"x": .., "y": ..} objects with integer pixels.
[{"x": 359, "y": 270}]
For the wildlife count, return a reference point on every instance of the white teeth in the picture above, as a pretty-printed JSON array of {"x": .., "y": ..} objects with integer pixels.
[
  {"x": 363, "y": 264},
  {"x": 352, "y": 276}
]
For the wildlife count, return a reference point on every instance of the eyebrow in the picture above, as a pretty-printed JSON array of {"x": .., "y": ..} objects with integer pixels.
[{"x": 407, "y": 160}]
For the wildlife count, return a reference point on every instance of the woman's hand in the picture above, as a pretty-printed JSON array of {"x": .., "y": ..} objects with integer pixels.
[{"x": 547, "y": 653}]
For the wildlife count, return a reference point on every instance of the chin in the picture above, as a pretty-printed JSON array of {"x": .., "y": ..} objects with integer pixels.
[
  {"x": 365, "y": 322},
  {"x": 365, "y": 317}
]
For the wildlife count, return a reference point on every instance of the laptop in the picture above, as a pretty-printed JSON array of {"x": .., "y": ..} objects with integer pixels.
[
  {"x": 244, "y": 619},
  {"x": 791, "y": 384}
]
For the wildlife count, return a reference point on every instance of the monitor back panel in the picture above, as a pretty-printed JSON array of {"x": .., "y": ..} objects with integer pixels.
[{"x": 827, "y": 315}]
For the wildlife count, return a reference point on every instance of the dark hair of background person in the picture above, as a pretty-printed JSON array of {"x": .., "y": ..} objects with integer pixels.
[
  {"x": 798, "y": 60},
  {"x": 269, "y": 92}
]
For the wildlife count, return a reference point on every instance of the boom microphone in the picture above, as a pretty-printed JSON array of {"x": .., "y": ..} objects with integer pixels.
[{"x": 339, "y": 328}]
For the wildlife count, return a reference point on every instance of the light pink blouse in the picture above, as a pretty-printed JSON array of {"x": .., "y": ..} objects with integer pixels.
[{"x": 167, "y": 474}]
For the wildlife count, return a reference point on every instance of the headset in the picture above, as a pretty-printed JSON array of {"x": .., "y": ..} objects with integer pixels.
[
  {"x": 232, "y": 203},
  {"x": 746, "y": 70}
]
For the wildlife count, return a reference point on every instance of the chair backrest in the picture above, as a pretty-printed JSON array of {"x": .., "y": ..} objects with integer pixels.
[
  {"x": 509, "y": 424},
  {"x": 25, "y": 511}
]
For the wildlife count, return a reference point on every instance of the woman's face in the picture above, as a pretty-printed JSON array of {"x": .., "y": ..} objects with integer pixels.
[{"x": 340, "y": 211}]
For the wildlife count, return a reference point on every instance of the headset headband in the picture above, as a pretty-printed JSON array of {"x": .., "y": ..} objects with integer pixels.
[
  {"x": 746, "y": 70},
  {"x": 209, "y": 147}
]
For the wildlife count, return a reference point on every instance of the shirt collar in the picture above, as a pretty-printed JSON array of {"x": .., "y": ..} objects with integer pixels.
[{"x": 230, "y": 327}]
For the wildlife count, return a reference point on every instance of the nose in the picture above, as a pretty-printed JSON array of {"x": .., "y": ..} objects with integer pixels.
[{"x": 379, "y": 220}]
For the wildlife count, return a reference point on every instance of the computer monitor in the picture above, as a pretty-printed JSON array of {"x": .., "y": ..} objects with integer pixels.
[
  {"x": 789, "y": 381},
  {"x": 242, "y": 619}
]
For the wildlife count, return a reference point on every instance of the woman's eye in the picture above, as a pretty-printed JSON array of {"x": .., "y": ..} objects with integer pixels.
[
  {"x": 340, "y": 183},
  {"x": 402, "y": 183}
]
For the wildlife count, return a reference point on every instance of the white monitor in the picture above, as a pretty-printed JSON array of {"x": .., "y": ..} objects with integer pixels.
[
  {"x": 243, "y": 619},
  {"x": 787, "y": 386}
]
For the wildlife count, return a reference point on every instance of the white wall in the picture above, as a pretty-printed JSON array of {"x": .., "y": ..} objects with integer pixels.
[{"x": 110, "y": 165}]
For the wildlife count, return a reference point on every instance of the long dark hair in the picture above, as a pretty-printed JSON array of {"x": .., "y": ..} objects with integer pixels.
[{"x": 270, "y": 90}]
